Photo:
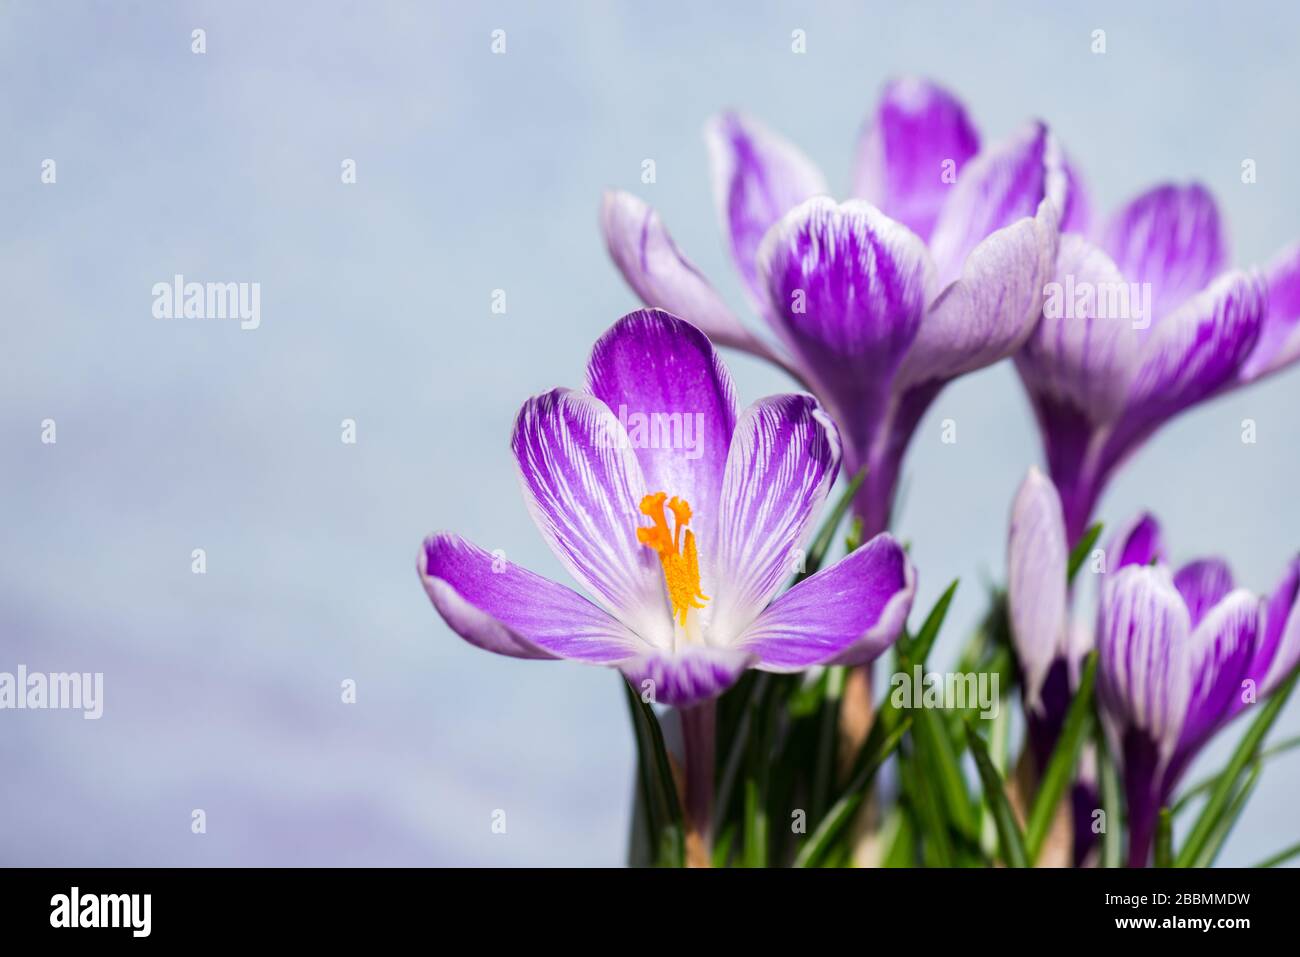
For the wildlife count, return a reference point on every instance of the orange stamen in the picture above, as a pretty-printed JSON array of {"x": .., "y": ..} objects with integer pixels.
[{"x": 677, "y": 555}]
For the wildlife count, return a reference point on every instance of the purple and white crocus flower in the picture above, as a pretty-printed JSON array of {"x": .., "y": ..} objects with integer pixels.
[
  {"x": 1141, "y": 321},
  {"x": 1050, "y": 645},
  {"x": 935, "y": 269},
  {"x": 1179, "y": 654},
  {"x": 681, "y": 550}
]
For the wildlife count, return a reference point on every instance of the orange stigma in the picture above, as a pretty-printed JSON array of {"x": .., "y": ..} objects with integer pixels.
[{"x": 677, "y": 554}]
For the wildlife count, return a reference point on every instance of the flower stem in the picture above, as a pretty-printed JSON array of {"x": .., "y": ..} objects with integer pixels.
[{"x": 699, "y": 738}]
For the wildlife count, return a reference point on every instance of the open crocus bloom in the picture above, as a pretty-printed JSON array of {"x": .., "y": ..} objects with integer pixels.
[
  {"x": 681, "y": 519},
  {"x": 1180, "y": 655},
  {"x": 936, "y": 270},
  {"x": 1140, "y": 323}
]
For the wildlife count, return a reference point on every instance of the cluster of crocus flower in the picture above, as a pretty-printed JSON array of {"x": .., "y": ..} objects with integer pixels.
[
  {"x": 939, "y": 267},
  {"x": 946, "y": 259},
  {"x": 1180, "y": 652},
  {"x": 934, "y": 269}
]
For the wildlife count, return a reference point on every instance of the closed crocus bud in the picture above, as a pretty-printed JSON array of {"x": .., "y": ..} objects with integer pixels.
[{"x": 1174, "y": 651}]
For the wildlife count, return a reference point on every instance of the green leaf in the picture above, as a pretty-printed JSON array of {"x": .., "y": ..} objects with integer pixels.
[
  {"x": 1112, "y": 839},
  {"x": 936, "y": 751},
  {"x": 823, "y": 773},
  {"x": 662, "y": 806},
  {"x": 916, "y": 650},
  {"x": 898, "y": 836},
  {"x": 877, "y": 748},
  {"x": 1165, "y": 839},
  {"x": 1185, "y": 799},
  {"x": 1010, "y": 839},
  {"x": 822, "y": 543},
  {"x": 1226, "y": 785},
  {"x": 1281, "y": 857},
  {"x": 1060, "y": 767},
  {"x": 1229, "y": 820},
  {"x": 722, "y": 847},
  {"x": 1079, "y": 553}
]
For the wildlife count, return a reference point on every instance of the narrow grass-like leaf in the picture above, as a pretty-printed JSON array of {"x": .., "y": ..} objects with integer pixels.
[
  {"x": 1164, "y": 854},
  {"x": 877, "y": 749},
  {"x": 1060, "y": 767},
  {"x": 1226, "y": 785},
  {"x": 662, "y": 805},
  {"x": 940, "y": 758},
  {"x": 1010, "y": 839},
  {"x": 1112, "y": 839},
  {"x": 1079, "y": 553},
  {"x": 1229, "y": 820},
  {"x": 1203, "y": 786},
  {"x": 1281, "y": 857},
  {"x": 916, "y": 650},
  {"x": 823, "y": 772}
]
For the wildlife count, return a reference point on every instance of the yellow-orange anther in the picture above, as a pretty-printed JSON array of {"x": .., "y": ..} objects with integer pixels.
[{"x": 677, "y": 554}]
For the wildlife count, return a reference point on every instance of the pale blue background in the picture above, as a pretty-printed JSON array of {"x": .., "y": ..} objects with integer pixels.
[{"x": 476, "y": 172}]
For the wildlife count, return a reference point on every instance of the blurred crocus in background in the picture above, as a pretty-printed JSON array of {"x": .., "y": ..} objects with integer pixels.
[
  {"x": 1050, "y": 646},
  {"x": 935, "y": 270},
  {"x": 682, "y": 545},
  {"x": 1181, "y": 654},
  {"x": 1141, "y": 321}
]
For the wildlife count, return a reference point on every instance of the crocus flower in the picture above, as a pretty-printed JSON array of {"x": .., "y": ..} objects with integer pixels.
[
  {"x": 1179, "y": 656},
  {"x": 934, "y": 270},
  {"x": 681, "y": 546},
  {"x": 1141, "y": 322}
]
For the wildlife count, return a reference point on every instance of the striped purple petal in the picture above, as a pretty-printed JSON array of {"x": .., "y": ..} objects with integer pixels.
[
  {"x": 997, "y": 188},
  {"x": 674, "y": 398},
  {"x": 846, "y": 614},
  {"x": 847, "y": 290},
  {"x": 1139, "y": 542},
  {"x": 757, "y": 178},
  {"x": 1279, "y": 339},
  {"x": 496, "y": 605},
  {"x": 1279, "y": 648},
  {"x": 783, "y": 460},
  {"x": 655, "y": 268},
  {"x": 686, "y": 676},
  {"x": 1190, "y": 356},
  {"x": 1144, "y": 657},
  {"x": 1170, "y": 237},
  {"x": 1037, "y": 555},
  {"x": 1144, "y": 686},
  {"x": 583, "y": 487},
  {"x": 1203, "y": 584},
  {"x": 1221, "y": 647},
  {"x": 909, "y": 153},
  {"x": 990, "y": 311}
]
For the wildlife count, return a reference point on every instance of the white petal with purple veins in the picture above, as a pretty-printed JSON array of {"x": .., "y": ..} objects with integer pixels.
[
  {"x": 988, "y": 313},
  {"x": 997, "y": 188},
  {"x": 902, "y": 164},
  {"x": 847, "y": 614},
  {"x": 783, "y": 460},
  {"x": 1037, "y": 556},
  {"x": 496, "y": 605},
  {"x": 583, "y": 486},
  {"x": 1171, "y": 237},
  {"x": 757, "y": 178},
  {"x": 657, "y": 271}
]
